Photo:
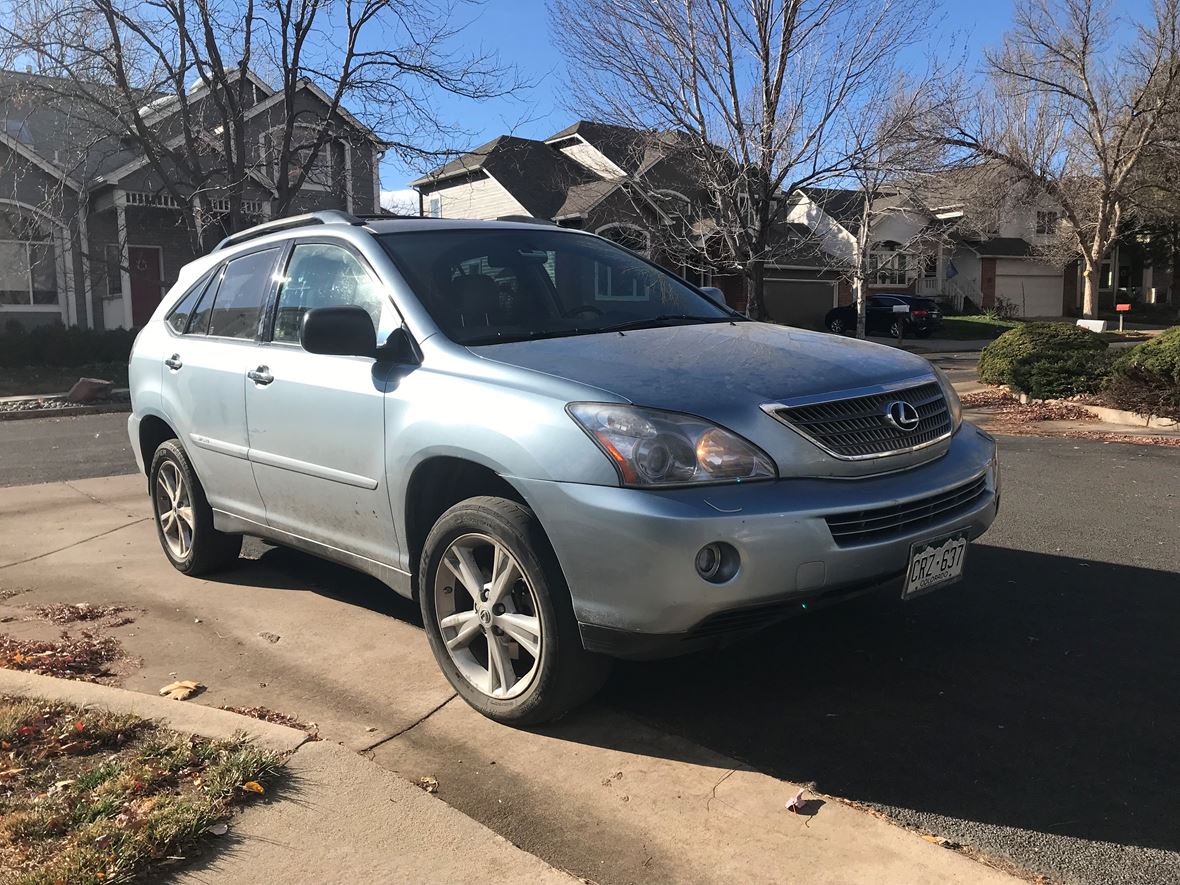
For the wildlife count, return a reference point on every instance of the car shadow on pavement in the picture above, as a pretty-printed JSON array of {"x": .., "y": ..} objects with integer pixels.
[
  {"x": 1039, "y": 693},
  {"x": 283, "y": 568}
]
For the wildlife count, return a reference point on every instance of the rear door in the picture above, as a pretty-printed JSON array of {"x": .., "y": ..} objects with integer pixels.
[
  {"x": 317, "y": 428},
  {"x": 204, "y": 381}
]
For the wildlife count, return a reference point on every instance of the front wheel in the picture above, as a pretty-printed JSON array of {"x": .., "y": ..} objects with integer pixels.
[
  {"x": 836, "y": 326},
  {"x": 498, "y": 615},
  {"x": 896, "y": 329}
]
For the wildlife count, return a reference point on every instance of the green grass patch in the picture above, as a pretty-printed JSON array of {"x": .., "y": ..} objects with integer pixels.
[
  {"x": 969, "y": 328},
  {"x": 95, "y": 797},
  {"x": 21, "y": 380}
]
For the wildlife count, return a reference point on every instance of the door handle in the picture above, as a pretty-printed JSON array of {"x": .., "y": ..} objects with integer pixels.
[
  {"x": 173, "y": 362},
  {"x": 261, "y": 375}
]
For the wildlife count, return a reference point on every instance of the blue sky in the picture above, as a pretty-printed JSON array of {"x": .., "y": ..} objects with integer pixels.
[{"x": 519, "y": 31}]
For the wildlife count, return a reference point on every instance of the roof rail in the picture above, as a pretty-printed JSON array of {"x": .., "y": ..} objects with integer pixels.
[
  {"x": 326, "y": 216},
  {"x": 527, "y": 219}
]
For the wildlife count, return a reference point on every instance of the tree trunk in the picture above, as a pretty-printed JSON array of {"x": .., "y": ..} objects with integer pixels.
[
  {"x": 755, "y": 282},
  {"x": 860, "y": 299},
  {"x": 1090, "y": 288}
]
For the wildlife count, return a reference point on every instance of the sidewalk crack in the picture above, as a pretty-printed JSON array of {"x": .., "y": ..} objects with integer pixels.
[
  {"x": 78, "y": 542},
  {"x": 414, "y": 724},
  {"x": 69, "y": 485}
]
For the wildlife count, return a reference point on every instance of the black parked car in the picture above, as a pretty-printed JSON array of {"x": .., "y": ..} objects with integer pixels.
[{"x": 923, "y": 319}]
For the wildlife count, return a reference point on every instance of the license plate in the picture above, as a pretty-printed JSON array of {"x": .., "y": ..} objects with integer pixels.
[{"x": 934, "y": 564}]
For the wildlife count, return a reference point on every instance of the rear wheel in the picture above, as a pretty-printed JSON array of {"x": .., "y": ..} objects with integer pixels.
[
  {"x": 184, "y": 519},
  {"x": 498, "y": 615}
]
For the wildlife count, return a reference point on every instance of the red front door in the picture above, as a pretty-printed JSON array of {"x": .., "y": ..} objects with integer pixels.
[{"x": 146, "y": 286}]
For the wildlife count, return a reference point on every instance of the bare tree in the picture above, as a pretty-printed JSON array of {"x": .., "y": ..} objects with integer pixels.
[
  {"x": 176, "y": 80},
  {"x": 1075, "y": 114},
  {"x": 754, "y": 87}
]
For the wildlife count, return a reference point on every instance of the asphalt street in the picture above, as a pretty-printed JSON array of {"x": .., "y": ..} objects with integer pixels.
[
  {"x": 1028, "y": 712},
  {"x": 52, "y": 449}
]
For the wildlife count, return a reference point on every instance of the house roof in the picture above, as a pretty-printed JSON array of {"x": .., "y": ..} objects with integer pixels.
[
  {"x": 543, "y": 180},
  {"x": 1001, "y": 247}
]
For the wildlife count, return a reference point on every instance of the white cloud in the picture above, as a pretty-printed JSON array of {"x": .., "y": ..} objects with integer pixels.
[{"x": 403, "y": 202}]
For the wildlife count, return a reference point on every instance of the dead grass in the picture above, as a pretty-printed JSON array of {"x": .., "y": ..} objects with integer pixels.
[{"x": 91, "y": 796}]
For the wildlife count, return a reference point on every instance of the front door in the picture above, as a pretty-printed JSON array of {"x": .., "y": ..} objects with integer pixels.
[
  {"x": 147, "y": 284},
  {"x": 316, "y": 422}
]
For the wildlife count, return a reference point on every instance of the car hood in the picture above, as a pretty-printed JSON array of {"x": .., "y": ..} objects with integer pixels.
[{"x": 709, "y": 369}]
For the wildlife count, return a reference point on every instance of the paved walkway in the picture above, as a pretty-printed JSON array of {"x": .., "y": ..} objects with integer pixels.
[{"x": 599, "y": 793}]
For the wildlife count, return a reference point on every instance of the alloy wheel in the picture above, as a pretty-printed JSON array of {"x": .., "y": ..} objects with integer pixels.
[
  {"x": 488, "y": 616},
  {"x": 174, "y": 509}
]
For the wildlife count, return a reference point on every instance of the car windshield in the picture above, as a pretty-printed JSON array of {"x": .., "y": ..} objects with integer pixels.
[{"x": 490, "y": 286}]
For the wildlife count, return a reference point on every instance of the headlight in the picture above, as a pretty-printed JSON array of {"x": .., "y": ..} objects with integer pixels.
[
  {"x": 653, "y": 448},
  {"x": 952, "y": 398}
]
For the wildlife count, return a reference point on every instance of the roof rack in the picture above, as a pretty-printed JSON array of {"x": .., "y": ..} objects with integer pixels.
[
  {"x": 327, "y": 216},
  {"x": 527, "y": 219}
]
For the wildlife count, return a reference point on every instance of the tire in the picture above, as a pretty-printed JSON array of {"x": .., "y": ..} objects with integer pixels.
[
  {"x": 481, "y": 533},
  {"x": 836, "y": 326},
  {"x": 895, "y": 329},
  {"x": 207, "y": 550}
]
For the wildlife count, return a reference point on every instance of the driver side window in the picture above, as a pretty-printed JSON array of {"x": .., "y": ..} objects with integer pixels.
[{"x": 324, "y": 275}]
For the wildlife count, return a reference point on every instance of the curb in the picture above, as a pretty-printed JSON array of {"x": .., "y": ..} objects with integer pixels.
[
  {"x": 181, "y": 716},
  {"x": 68, "y": 412},
  {"x": 1107, "y": 415}
]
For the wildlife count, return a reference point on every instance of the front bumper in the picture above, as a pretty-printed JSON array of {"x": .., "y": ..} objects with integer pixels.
[{"x": 628, "y": 554}]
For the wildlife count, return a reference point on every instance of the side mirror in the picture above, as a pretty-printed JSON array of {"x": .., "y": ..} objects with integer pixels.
[
  {"x": 714, "y": 293},
  {"x": 399, "y": 348},
  {"x": 339, "y": 331}
]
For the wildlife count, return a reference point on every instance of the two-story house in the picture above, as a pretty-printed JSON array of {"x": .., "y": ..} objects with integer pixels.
[{"x": 90, "y": 235}]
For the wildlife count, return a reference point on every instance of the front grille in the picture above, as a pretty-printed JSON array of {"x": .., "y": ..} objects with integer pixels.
[
  {"x": 882, "y": 523},
  {"x": 855, "y": 428}
]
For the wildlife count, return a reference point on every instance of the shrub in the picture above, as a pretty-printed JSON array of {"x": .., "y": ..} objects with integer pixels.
[
  {"x": 55, "y": 345},
  {"x": 1146, "y": 378},
  {"x": 1060, "y": 374},
  {"x": 1039, "y": 339}
]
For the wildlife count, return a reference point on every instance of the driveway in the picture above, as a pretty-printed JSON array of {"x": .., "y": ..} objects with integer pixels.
[{"x": 1027, "y": 713}]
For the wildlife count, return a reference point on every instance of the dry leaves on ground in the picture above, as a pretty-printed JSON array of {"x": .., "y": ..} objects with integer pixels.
[
  {"x": 268, "y": 715},
  {"x": 1009, "y": 409},
  {"x": 182, "y": 690},
  {"x": 67, "y": 613},
  {"x": 86, "y": 657}
]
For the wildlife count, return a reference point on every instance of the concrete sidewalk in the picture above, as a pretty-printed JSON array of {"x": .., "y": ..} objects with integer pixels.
[
  {"x": 599, "y": 793},
  {"x": 337, "y": 817}
]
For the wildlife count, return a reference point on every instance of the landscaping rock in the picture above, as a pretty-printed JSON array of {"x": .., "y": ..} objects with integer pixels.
[{"x": 89, "y": 390}]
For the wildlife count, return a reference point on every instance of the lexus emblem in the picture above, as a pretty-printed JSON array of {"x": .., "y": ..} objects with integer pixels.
[{"x": 902, "y": 415}]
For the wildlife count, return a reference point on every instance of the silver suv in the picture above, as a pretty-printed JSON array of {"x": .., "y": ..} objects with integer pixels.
[{"x": 562, "y": 451}]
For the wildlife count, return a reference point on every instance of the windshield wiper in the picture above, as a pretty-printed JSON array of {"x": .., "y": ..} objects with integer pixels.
[{"x": 653, "y": 322}]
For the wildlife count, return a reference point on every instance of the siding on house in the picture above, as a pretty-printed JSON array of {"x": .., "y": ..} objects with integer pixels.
[
  {"x": 481, "y": 198},
  {"x": 588, "y": 156}
]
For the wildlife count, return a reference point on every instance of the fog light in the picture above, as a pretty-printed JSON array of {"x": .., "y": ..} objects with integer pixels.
[{"x": 717, "y": 562}]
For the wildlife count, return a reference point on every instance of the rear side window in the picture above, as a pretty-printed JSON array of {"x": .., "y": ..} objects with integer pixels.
[
  {"x": 245, "y": 284},
  {"x": 178, "y": 317}
]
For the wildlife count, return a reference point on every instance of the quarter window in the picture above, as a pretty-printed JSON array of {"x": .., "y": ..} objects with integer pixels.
[
  {"x": 244, "y": 285},
  {"x": 323, "y": 275},
  {"x": 178, "y": 317}
]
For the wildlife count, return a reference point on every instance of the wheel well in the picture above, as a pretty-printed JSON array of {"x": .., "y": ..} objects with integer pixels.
[
  {"x": 152, "y": 432},
  {"x": 438, "y": 484}
]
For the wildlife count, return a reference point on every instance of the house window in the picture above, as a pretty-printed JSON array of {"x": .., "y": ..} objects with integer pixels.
[
  {"x": 28, "y": 262},
  {"x": 113, "y": 261},
  {"x": 1046, "y": 223},
  {"x": 434, "y": 206},
  {"x": 889, "y": 265}
]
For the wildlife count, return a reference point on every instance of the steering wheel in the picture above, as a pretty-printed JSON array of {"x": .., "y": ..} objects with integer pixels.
[{"x": 585, "y": 309}]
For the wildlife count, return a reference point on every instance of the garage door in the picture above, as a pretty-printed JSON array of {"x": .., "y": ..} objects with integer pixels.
[
  {"x": 1035, "y": 295},
  {"x": 799, "y": 302}
]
